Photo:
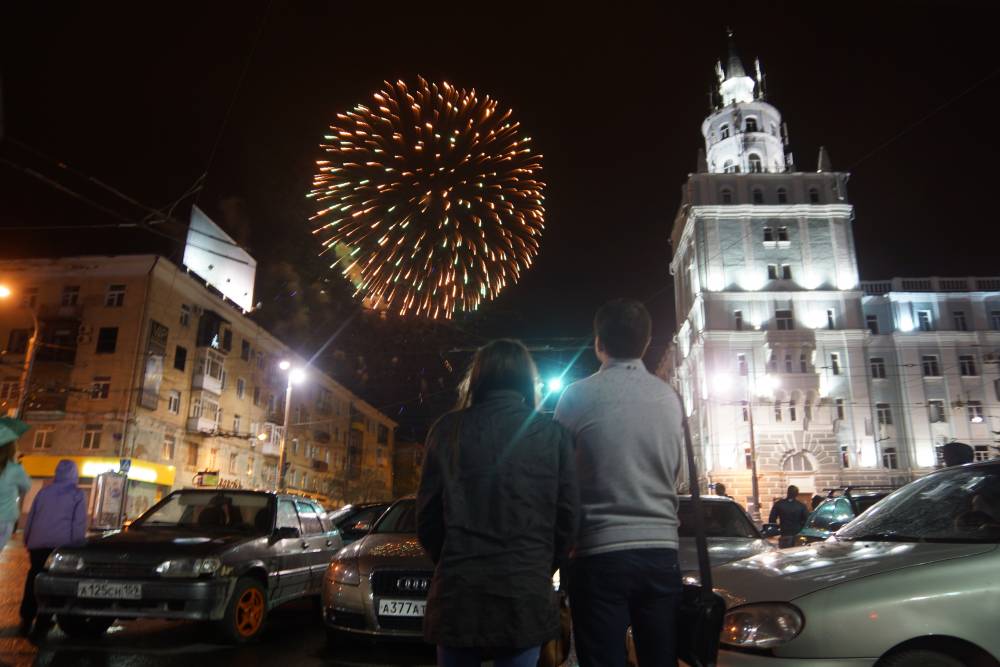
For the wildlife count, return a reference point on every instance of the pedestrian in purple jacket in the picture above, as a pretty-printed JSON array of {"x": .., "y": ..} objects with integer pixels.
[{"x": 58, "y": 518}]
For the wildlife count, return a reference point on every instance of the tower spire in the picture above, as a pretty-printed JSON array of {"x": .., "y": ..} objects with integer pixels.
[{"x": 734, "y": 66}]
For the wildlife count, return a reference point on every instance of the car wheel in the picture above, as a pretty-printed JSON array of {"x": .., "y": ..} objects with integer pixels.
[
  {"x": 245, "y": 612},
  {"x": 921, "y": 658},
  {"x": 84, "y": 627}
]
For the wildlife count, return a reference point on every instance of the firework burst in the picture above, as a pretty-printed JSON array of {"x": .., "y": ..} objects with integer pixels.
[{"x": 430, "y": 199}]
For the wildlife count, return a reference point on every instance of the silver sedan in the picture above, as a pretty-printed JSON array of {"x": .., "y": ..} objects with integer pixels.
[{"x": 912, "y": 582}]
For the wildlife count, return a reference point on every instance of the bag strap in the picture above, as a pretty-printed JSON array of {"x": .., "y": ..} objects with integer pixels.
[{"x": 701, "y": 539}]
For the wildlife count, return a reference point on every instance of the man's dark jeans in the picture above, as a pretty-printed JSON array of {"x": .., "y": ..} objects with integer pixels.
[
  {"x": 610, "y": 591},
  {"x": 29, "y": 605}
]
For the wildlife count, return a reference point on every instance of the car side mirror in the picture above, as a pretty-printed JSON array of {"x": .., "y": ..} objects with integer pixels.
[
  {"x": 362, "y": 526},
  {"x": 770, "y": 530},
  {"x": 286, "y": 533}
]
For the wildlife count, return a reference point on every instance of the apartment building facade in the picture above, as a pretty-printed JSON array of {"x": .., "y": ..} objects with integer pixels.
[{"x": 140, "y": 360}]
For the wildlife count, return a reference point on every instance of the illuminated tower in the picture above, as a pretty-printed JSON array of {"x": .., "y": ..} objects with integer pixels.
[{"x": 769, "y": 306}]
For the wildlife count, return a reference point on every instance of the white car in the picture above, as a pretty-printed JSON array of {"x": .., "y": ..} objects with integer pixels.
[{"x": 912, "y": 582}]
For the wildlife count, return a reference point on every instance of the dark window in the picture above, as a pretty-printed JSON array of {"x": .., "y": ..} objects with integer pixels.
[
  {"x": 245, "y": 351},
  {"x": 107, "y": 340},
  {"x": 878, "y": 367},
  {"x": 17, "y": 343},
  {"x": 754, "y": 165},
  {"x": 758, "y": 194},
  {"x": 813, "y": 196},
  {"x": 115, "y": 296},
  {"x": 751, "y": 124},
  {"x": 786, "y": 272},
  {"x": 782, "y": 196},
  {"x": 768, "y": 234},
  {"x": 727, "y": 196},
  {"x": 840, "y": 408},
  {"x": 783, "y": 233},
  {"x": 784, "y": 320},
  {"x": 724, "y": 132},
  {"x": 872, "y": 323},
  {"x": 835, "y": 363},
  {"x": 227, "y": 340},
  {"x": 772, "y": 271},
  {"x": 70, "y": 295},
  {"x": 180, "y": 358},
  {"x": 959, "y": 318},
  {"x": 738, "y": 317}
]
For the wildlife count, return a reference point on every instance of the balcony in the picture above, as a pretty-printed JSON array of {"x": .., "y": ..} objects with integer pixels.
[
  {"x": 54, "y": 311},
  {"x": 932, "y": 284},
  {"x": 320, "y": 466},
  {"x": 270, "y": 449},
  {"x": 44, "y": 406},
  {"x": 201, "y": 380},
  {"x": 202, "y": 425}
]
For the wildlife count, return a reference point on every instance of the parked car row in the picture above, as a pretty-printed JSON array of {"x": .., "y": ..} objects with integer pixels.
[{"x": 909, "y": 581}]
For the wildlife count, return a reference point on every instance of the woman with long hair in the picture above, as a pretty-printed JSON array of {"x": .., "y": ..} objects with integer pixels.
[
  {"x": 14, "y": 482},
  {"x": 497, "y": 510}
]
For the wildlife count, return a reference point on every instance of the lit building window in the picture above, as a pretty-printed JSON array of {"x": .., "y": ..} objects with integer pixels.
[
  {"x": 975, "y": 410},
  {"x": 741, "y": 364},
  {"x": 981, "y": 453},
  {"x": 935, "y": 409},
  {"x": 115, "y": 296},
  {"x": 92, "y": 436}
]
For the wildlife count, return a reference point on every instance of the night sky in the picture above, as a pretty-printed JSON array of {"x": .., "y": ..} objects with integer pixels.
[{"x": 148, "y": 98}]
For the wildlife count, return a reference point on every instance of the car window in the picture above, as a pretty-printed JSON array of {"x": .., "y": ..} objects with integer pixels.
[
  {"x": 722, "y": 519},
  {"x": 209, "y": 511},
  {"x": 823, "y": 516},
  {"x": 864, "y": 502},
  {"x": 367, "y": 515},
  {"x": 309, "y": 518},
  {"x": 842, "y": 512},
  {"x": 953, "y": 505},
  {"x": 287, "y": 518},
  {"x": 400, "y": 518}
]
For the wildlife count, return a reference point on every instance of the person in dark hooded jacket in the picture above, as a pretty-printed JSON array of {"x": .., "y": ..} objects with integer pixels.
[
  {"x": 58, "y": 517},
  {"x": 497, "y": 511}
]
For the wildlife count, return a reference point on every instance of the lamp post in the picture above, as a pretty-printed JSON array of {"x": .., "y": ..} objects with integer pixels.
[
  {"x": 29, "y": 355},
  {"x": 295, "y": 376},
  {"x": 723, "y": 382}
]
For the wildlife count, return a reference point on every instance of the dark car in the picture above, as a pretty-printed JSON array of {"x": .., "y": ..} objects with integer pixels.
[
  {"x": 837, "y": 511},
  {"x": 354, "y": 521},
  {"x": 206, "y": 555}
]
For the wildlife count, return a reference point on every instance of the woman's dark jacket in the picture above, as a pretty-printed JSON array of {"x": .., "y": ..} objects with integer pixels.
[{"x": 497, "y": 511}]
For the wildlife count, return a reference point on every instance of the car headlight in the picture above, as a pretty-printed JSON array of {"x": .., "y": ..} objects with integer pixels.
[
  {"x": 763, "y": 625},
  {"x": 60, "y": 562},
  {"x": 345, "y": 572},
  {"x": 188, "y": 567}
]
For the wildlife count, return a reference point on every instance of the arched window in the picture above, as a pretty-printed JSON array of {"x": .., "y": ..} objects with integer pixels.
[
  {"x": 774, "y": 129},
  {"x": 813, "y": 196},
  {"x": 726, "y": 195},
  {"x": 755, "y": 164},
  {"x": 758, "y": 196},
  {"x": 797, "y": 462},
  {"x": 782, "y": 196},
  {"x": 724, "y": 132},
  {"x": 728, "y": 167},
  {"x": 751, "y": 124}
]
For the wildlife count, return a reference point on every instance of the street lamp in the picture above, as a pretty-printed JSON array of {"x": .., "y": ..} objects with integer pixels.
[
  {"x": 29, "y": 356},
  {"x": 722, "y": 383},
  {"x": 295, "y": 376}
]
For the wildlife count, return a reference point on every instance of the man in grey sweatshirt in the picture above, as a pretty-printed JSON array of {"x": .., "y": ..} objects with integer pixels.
[{"x": 627, "y": 429}]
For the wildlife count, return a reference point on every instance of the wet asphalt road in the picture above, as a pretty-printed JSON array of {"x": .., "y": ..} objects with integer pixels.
[{"x": 293, "y": 637}]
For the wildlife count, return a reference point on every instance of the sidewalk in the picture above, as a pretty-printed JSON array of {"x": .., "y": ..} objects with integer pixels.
[{"x": 15, "y": 651}]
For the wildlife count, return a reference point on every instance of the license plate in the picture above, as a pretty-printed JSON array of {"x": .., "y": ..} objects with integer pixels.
[
  {"x": 401, "y": 607},
  {"x": 108, "y": 591}
]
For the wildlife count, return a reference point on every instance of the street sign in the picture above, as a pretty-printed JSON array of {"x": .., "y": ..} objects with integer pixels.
[{"x": 124, "y": 465}]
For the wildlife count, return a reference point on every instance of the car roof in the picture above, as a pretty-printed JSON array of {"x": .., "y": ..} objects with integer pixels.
[{"x": 708, "y": 499}]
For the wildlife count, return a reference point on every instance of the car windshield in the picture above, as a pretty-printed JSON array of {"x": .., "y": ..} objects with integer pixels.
[
  {"x": 830, "y": 511},
  {"x": 400, "y": 518},
  {"x": 722, "y": 519},
  {"x": 211, "y": 512},
  {"x": 956, "y": 505}
]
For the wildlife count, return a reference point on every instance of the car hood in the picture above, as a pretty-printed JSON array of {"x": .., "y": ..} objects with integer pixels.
[
  {"x": 793, "y": 573},
  {"x": 164, "y": 541},
  {"x": 721, "y": 550},
  {"x": 397, "y": 550}
]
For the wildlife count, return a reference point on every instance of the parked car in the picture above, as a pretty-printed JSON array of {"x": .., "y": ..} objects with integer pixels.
[
  {"x": 206, "y": 555},
  {"x": 354, "y": 521},
  {"x": 377, "y": 587},
  {"x": 837, "y": 511},
  {"x": 912, "y": 582}
]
